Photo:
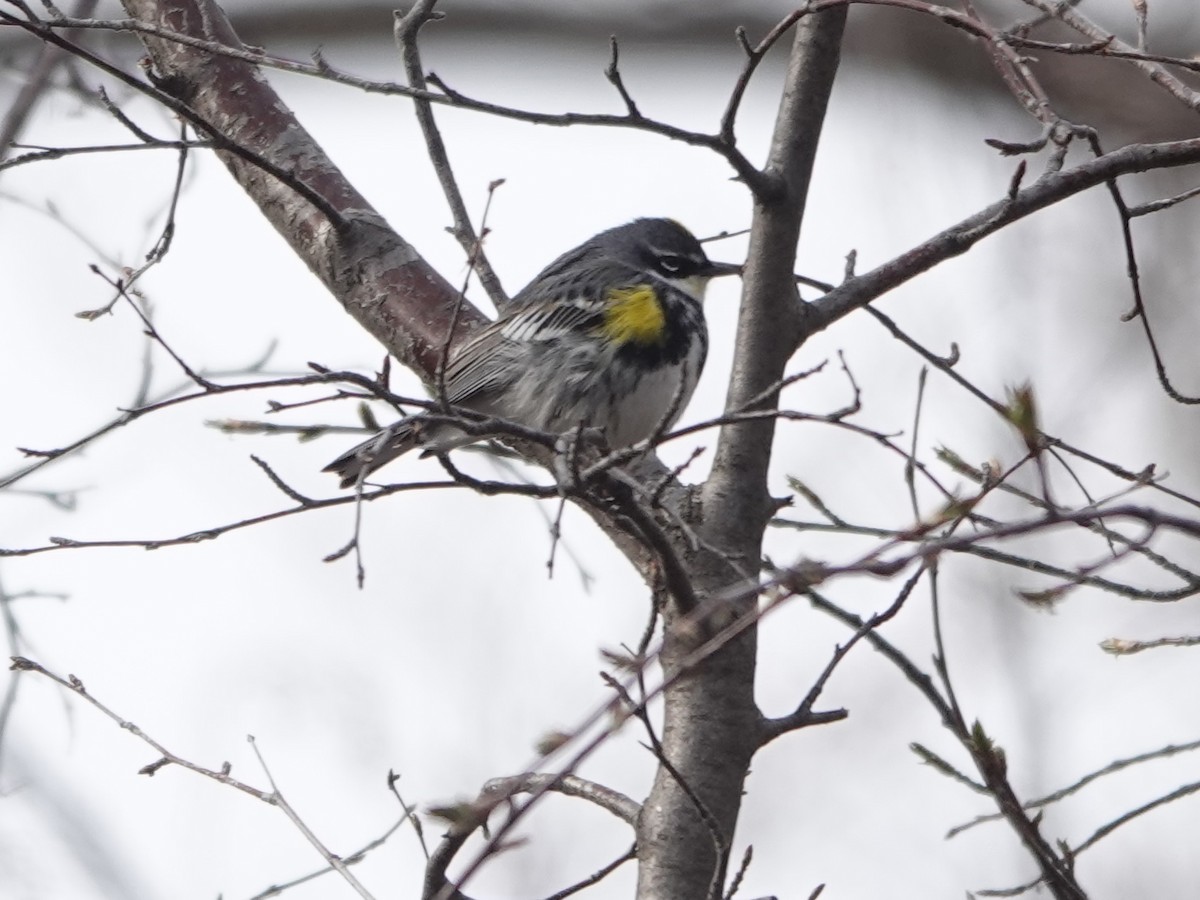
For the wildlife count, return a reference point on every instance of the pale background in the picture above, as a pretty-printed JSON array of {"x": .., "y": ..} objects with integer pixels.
[{"x": 460, "y": 653}]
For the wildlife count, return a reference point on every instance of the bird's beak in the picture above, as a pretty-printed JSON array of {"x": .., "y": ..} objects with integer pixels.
[{"x": 717, "y": 269}]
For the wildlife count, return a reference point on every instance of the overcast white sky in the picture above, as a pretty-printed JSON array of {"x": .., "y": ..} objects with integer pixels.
[{"x": 460, "y": 652}]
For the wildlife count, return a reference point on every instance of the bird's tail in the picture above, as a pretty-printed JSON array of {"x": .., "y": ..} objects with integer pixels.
[
  {"x": 378, "y": 450},
  {"x": 396, "y": 440}
]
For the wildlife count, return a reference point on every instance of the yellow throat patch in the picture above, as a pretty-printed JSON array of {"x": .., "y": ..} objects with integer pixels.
[{"x": 634, "y": 315}]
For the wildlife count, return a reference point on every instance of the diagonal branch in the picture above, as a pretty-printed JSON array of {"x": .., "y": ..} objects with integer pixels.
[
  {"x": 380, "y": 279},
  {"x": 407, "y": 28},
  {"x": 1051, "y": 188},
  {"x": 37, "y": 81}
]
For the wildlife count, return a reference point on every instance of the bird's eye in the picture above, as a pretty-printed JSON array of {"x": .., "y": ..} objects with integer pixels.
[{"x": 671, "y": 265}]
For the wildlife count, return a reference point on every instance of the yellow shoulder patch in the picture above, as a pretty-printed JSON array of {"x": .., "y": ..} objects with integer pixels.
[{"x": 634, "y": 314}]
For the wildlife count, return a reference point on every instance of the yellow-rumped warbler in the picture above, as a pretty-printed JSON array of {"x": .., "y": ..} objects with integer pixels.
[{"x": 610, "y": 335}]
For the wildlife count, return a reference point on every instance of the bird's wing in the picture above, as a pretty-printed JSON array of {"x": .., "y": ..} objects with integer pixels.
[{"x": 483, "y": 365}]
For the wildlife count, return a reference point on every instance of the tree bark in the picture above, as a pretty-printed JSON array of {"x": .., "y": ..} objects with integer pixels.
[
  {"x": 712, "y": 725},
  {"x": 379, "y": 278}
]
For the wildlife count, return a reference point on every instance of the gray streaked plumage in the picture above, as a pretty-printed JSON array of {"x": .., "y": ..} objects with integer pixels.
[{"x": 584, "y": 343}]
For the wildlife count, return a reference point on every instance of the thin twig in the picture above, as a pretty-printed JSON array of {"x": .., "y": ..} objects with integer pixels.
[
  {"x": 277, "y": 799},
  {"x": 406, "y": 28}
]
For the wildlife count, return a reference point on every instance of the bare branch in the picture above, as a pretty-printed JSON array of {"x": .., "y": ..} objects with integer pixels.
[
  {"x": 1051, "y": 188},
  {"x": 597, "y": 876},
  {"x": 406, "y": 28},
  {"x": 379, "y": 278},
  {"x": 754, "y": 56},
  {"x": 498, "y": 791},
  {"x": 45, "y": 154},
  {"x": 605, "y": 798},
  {"x": 277, "y": 799},
  {"x": 1126, "y": 647},
  {"x": 1115, "y": 766},
  {"x": 803, "y": 716},
  {"x": 613, "y": 74},
  {"x": 358, "y": 856},
  {"x": 1113, "y": 45},
  {"x": 36, "y": 82}
]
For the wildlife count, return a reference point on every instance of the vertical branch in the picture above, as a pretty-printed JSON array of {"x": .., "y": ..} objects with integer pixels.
[
  {"x": 770, "y": 320},
  {"x": 711, "y": 722}
]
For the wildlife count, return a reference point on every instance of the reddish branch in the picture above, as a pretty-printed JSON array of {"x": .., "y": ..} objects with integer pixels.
[{"x": 380, "y": 279}]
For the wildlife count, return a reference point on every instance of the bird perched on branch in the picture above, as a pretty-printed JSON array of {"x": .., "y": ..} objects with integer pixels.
[{"x": 610, "y": 336}]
